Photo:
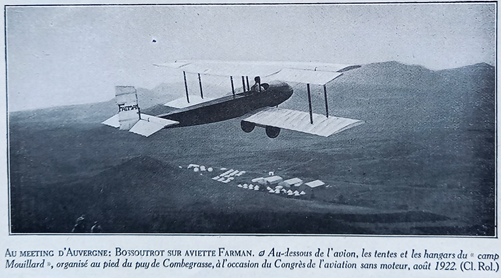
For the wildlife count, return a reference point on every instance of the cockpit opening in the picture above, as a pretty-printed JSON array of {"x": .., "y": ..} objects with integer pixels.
[{"x": 258, "y": 86}]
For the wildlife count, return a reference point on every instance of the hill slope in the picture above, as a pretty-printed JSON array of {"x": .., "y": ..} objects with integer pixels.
[{"x": 146, "y": 195}]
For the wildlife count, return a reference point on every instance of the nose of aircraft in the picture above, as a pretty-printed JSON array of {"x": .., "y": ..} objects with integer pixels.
[
  {"x": 288, "y": 90},
  {"x": 283, "y": 91}
]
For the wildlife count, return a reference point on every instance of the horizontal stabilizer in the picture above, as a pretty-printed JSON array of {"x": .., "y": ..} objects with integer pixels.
[
  {"x": 148, "y": 125},
  {"x": 300, "y": 121},
  {"x": 182, "y": 102},
  {"x": 145, "y": 126},
  {"x": 113, "y": 121}
]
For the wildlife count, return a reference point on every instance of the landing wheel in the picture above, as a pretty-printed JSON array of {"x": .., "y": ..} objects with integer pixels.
[
  {"x": 247, "y": 126},
  {"x": 272, "y": 131}
]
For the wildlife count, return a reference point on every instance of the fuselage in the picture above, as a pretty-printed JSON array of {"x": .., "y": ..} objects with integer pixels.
[{"x": 232, "y": 106}]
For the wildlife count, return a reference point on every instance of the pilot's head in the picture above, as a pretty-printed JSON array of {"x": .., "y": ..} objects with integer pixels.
[{"x": 257, "y": 79}]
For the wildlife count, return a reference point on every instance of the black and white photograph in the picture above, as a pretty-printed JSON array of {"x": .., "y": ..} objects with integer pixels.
[{"x": 321, "y": 119}]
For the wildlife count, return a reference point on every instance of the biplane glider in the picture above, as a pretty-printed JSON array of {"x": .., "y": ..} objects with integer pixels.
[{"x": 257, "y": 104}]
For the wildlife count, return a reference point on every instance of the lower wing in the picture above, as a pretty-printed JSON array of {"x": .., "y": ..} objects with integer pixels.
[{"x": 300, "y": 121}]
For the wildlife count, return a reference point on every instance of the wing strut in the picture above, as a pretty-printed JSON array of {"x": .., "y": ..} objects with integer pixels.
[
  {"x": 309, "y": 103},
  {"x": 247, "y": 79},
  {"x": 326, "y": 105},
  {"x": 200, "y": 83},
  {"x": 243, "y": 83},
  {"x": 232, "y": 87},
  {"x": 186, "y": 87}
]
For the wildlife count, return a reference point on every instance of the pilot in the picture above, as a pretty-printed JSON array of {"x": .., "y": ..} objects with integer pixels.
[{"x": 257, "y": 86}]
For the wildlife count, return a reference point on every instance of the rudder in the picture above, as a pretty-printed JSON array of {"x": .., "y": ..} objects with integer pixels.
[
  {"x": 129, "y": 115},
  {"x": 128, "y": 107}
]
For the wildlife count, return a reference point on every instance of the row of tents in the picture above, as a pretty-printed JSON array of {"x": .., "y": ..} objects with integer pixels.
[{"x": 274, "y": 184}]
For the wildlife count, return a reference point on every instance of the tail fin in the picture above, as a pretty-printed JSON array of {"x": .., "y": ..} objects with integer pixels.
[
  {"x": 128, "y": 108},
  {"x": 129, "y": 115}
]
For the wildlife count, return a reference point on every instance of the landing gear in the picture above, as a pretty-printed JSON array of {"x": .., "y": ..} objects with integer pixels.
[
  {"x": 247, "y": 126},
  {"x": 272, "y": 131}
]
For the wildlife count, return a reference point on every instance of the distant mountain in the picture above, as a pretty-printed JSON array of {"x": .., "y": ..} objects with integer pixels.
[
  {"x": 390, "y": 74},
  {"x": 394, "y": 75},
  {"x": 66, "y": 115}
]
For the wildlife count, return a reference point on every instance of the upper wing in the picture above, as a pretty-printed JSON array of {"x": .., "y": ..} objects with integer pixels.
[
  {"x": 312, "y": 73},
  {"x": 300, "y": 121}
]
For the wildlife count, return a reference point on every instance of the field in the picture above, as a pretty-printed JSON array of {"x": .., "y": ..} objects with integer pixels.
[{"x": 423, "y": 163}]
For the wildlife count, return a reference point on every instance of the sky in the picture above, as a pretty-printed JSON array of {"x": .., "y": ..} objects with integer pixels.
[{"x": 62, "y": 55}]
